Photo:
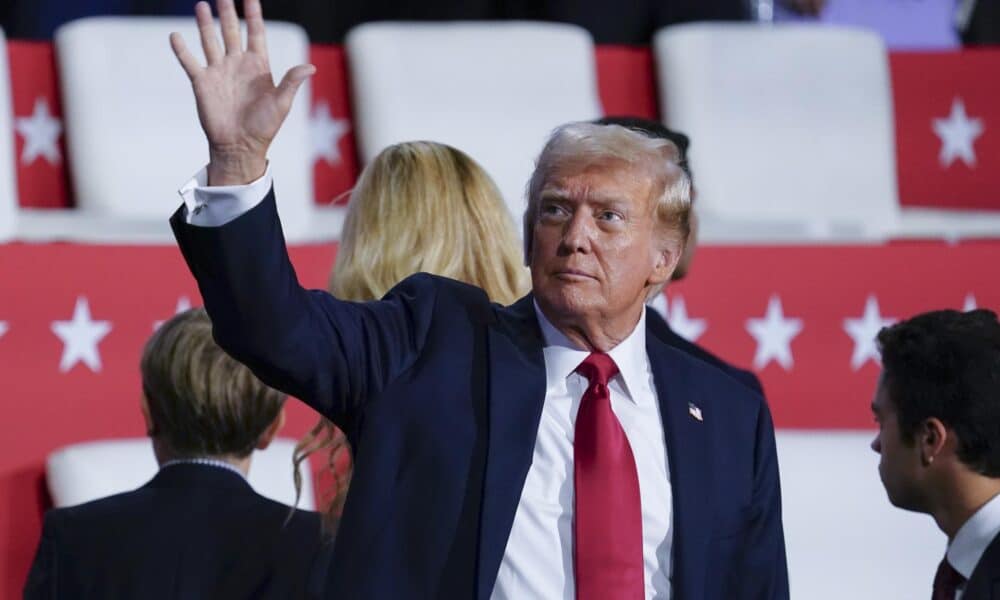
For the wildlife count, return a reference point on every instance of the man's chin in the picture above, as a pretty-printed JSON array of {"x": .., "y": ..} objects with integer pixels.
[
  {"x": 563, "y": 302},
  {"x": 904, "y": 502}
]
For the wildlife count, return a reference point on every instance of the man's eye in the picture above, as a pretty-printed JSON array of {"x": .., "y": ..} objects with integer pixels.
[
  {"x": 552, "y": 210},
  {"x": 608, "y": 215}
]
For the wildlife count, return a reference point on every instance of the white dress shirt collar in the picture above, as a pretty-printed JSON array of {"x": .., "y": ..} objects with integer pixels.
[
  {"x": 562, "y": 357},
  {"x": 208, "y": 462},
  {"x": 974, "y": 537}
]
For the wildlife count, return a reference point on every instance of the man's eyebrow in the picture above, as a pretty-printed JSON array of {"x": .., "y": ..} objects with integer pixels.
[
  {"x": 554, "y": 194},
  {"x": 603, "y": 200},
  {"x": 610, "y": 201}
]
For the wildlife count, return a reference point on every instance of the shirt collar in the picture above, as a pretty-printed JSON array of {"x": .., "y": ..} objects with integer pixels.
[
  {"x": 562, "y": 357},
  {"x": 209, "y": 462},
  {"x": 974, "y": 537}
]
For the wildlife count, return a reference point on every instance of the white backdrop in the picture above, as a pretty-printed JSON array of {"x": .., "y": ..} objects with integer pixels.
[{"x": 844, "y": 539}]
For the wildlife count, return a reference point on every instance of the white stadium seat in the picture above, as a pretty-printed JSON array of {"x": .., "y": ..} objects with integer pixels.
[
  {"x": 133, "y": 136},
  {"x": 8, "y": 174},
  {"x": 791, "y": 128},
  {"x": 90, "y": 470},
  {"x": 843, "y": 538},
  {"x": 793, "y": 136},
  {"x": 493, "y": 90}
]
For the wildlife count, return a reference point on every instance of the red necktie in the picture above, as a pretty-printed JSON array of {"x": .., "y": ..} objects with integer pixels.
[
  {"x": 946, "y": 581},
  {"x": 607, "y": 513}
]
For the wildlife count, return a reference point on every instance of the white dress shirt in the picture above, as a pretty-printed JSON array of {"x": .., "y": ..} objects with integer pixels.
[
  {"x": 973, "y": 538},
  {"x": 538, "y": 559}
]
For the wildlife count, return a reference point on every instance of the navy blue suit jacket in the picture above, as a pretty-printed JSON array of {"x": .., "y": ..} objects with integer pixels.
[
  {"x": 659, "y": 326},
  {"x": 984, "y": 583},
  {"x": 440, "y": 394},
  {"x": 193, "y": 532}
]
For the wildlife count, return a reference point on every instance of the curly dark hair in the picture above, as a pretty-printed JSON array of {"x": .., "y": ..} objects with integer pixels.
[{"x": 946, "y": 365}]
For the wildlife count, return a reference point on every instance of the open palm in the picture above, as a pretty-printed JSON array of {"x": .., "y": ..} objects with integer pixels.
[{"x": 239, "y": 106}]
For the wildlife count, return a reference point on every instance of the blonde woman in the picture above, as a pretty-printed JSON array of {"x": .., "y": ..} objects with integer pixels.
[{"x": 417, "y": 207}]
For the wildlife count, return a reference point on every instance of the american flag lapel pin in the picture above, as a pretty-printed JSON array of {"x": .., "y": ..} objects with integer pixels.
[{"x": 695, "y": 412}]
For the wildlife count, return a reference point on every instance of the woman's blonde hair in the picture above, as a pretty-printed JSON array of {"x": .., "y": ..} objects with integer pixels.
[
  {"x": 427, "y": 207},
  {"x": 417, "y": 207}
]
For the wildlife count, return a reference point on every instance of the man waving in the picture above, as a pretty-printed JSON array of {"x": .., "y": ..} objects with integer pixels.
[{"x": 555, "y": 448}]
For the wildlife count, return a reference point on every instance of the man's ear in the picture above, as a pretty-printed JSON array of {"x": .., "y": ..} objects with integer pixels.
[
  {"x": 665, "y": 261},
  {"x": 933, "y": 438},
  {"x": 272, "y": 430}
]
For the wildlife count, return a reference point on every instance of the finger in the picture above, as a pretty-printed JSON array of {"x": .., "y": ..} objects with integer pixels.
[
  {"x": 188, "y": 62},
  {"x": 290, "y": 84},
  {"x": 256, "y": 42},
  {"x": 230, "y": 26},
  {"x": 206, "y": 27}
]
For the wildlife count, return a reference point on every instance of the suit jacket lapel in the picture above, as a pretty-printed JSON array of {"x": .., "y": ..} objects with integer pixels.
[
  {"x": 516, "y": 395},
  {"x": 687, "y": 455}
]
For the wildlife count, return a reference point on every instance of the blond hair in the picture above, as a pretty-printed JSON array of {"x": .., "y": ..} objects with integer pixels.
[
  {"x": 417, "y": 207},
  {"x": 427, "y": 207},
  {"x": 580, "y": 145},
  {"x": 201, "y": 401}
]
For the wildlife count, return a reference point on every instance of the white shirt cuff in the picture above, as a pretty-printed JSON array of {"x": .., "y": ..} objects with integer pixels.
[{"x": 214, "y": 206}]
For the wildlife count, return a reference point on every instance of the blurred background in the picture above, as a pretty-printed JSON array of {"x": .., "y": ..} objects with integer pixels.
[{"x": 846, "y": 156}]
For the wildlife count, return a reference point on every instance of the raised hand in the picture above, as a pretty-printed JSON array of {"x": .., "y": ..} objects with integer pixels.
[{"x": 239, "y": 106}]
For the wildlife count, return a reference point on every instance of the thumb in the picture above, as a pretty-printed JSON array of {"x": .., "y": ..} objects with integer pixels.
[{"x": 290, "y": 84}]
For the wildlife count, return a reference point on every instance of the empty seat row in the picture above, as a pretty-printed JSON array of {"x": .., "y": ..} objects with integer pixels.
[
  {"x": 792, "y": 125},
  {"x": 794, "y": 137}
]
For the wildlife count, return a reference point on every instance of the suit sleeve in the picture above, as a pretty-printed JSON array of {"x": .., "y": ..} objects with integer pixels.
[
  {"x": 41, "y": 581},
  {"x": 329, "y": 353},
  {"x": 766, "y": 565}
]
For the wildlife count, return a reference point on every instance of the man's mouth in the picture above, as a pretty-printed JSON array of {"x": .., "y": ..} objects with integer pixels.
[{"x": 573, "y": 275}]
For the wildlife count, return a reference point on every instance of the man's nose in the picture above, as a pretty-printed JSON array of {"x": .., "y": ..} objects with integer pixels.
[{"x": 577, "y": 233}]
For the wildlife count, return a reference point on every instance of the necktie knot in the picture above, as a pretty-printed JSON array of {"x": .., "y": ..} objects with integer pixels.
[{"x": 598, "y": 368}]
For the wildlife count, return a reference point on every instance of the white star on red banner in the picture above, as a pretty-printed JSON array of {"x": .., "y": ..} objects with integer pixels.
[
  {"x": 41, "y": 133},
  {"x": 4, "y": 327},
  {"x": 326, "y": 132},
  {"x": 863, "y": 331},
  {"x": 685, "y": 326},
  {"x": 80, "y": 337},
  {"x": 774, "y": 334},
  {"x": 970, "y": 303},
  {"x": 957, "y": 133},
  {"x": 183, "y": 304}
]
